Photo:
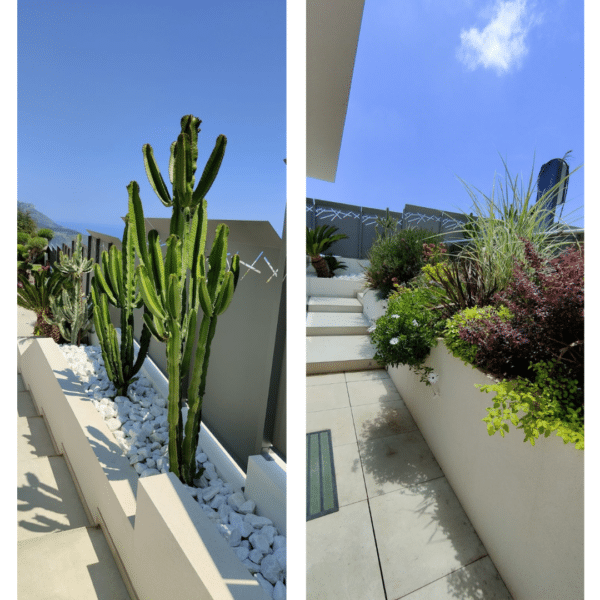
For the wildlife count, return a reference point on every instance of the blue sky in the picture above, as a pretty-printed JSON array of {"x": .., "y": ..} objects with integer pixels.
[
  {"x": 97, "y": 80},
  {"x": 445, "y": 88}
]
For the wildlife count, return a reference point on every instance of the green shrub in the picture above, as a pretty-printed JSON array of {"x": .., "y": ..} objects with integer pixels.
[
  {"x": 466, "y": 351},
  {"x": 408, "y": 330},
  {"x": 550, "y": 403},
  {"x": 396, "y": 259}
]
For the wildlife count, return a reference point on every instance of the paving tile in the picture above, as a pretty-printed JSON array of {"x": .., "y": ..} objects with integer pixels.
[
  {"x": 340, "y": 422},
  {"x": 69, "y": 564},
  {"x": 372, "y": 391},
  {"x": 341, "y": 558},
  {"x": 323, "y": 379},
  {"x": 382, "y": 420},
  {"x": 47, "y": 500},
  {"x": 367, "y": 375},
  {"x": 422, "y": 534},
  {"x": 25, "y": 405},
  {"x": 397, "y": 461},
  {"x": 348, "y": 474},
  {"x": 327, "y": 397},
  {"x": 33, "y": 438},
  {"x": 479, "y": 580}
]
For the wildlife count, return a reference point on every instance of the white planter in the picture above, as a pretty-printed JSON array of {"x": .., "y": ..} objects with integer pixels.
[
  {"x": 526, "y": 503},
  {"x": 166, "y": 544}
]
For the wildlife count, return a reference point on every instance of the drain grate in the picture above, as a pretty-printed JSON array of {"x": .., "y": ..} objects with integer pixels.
[{"x": 321, "y": 489}]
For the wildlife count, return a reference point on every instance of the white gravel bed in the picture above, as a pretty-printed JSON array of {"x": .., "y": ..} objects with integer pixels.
[{"x": 139, "y": 424}]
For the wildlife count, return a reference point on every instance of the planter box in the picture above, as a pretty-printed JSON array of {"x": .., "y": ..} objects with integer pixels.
[
  {"x": 525, "y": 502},
  {"x": 165, "y": 545}
]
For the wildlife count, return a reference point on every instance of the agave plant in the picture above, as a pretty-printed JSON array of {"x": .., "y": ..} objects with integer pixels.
[{"x": 317, "y": 241}]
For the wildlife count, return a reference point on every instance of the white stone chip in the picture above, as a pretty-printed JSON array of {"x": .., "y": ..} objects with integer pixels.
[
  {"x": 270, "y": 569},
  {"x": 257, "y": 521},
  {"x": 279, "y": 591},
  {"x": 236, "y": 500},
  {"x": 259, "y": 542},
  {"x": 247, "y": 507}
]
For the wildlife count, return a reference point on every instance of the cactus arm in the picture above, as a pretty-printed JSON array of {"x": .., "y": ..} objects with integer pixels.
[
  {"x": 154, "y": 177},
  {"x": 182, "y": 170},
  {"x": 189, "y": 343},
  {"x": 172, "y": 162},
  {"x": 196, "y": 391},
  {"x": 151, "y": 300},
  {"x": 136, "y": 217},
  {"x": 155, "y": 327},
  {"x": 225, "y": 294},
  {"x": 217, "y": 261},
  {"x": 145, "y": 338},
  {"x": 173, "y": 297},
  {"x": 173, "y": 407},
  {"x": 103, "y": 284},
  {"x": 156, "y": 265},
  {"x": 204, "y": 298},
  {"x": 211, "y": 169}
]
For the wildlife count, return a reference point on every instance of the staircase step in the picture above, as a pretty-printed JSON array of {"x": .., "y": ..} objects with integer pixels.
[
  {"x": 70, "y": 564},
  {"x": 335, "y": 305},
  {"x": 341, "y": 353},
  {"x": 336, "y": 323}
]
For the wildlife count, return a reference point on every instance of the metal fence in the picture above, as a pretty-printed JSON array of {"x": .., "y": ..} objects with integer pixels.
[
  {"x": 359, "y": 223},
  {"x": 244, "y": 404}
]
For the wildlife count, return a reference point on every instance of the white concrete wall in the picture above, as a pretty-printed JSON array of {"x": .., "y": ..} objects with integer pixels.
[
  {"x": 526, "y": 503},
  {"x": 167, "y": 545}
]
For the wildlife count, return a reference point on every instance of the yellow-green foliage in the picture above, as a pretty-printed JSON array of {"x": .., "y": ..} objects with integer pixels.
[
  {"x": 457, "y": 346},
  {"x": 552, "y": 402}
]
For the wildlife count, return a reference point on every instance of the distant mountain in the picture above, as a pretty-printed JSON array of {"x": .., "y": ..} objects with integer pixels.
[{"x": 62, "y": 235}]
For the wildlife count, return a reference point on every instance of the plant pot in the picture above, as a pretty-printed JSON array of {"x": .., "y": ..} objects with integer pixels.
[
  {"x": 165, "y": 544},
  {"x": 525, "y": 502}
]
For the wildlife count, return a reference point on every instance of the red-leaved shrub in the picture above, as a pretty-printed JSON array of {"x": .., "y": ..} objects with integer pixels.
[{"x": 546, "y": 301}]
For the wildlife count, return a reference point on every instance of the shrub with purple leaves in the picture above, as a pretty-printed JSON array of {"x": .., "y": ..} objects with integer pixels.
[{"x": 545, "y": 299}]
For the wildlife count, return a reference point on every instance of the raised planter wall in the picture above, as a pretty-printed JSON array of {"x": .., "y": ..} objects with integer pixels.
[
  {"x": 164, "y": 542},
  {"x": 525, "y": 502}
]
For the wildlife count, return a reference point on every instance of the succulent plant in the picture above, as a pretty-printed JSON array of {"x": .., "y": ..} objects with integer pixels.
[
  {"x": 72, "y": 311},
  {"x": 317, "y": 241},
  {"x": 179, "y": 289}
]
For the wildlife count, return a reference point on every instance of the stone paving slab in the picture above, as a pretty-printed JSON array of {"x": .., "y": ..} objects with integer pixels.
[
  {"x": 366, "y": 375},
  {"x": 396, "y": 462},
  {"x": 341, "y": 558},
  {"x": 33, "y": 438},
  {"x": 47, "y": 500},
  {"x": 337, "y": 305},
  {"x": 479, "y": 580},
  {"x": 338, "y": 420},
  {"x": 372, "y": 391},
  {"x": 325, "y": 379},
  {"x": 327, "y": 397},
  {"x": 68, "y": 565},
  {"x": 25, "y": 405},
  {"x": 373, "y": 421},
  {"x": 348, "y": 474},
  {"x": 422, "y": 534}
]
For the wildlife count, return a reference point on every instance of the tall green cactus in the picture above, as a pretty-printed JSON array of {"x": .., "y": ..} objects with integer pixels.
[
  {"x": 72, "y": 310},
  {"x": 115, "y": 282},
  {"x": 178, "y": 287}
]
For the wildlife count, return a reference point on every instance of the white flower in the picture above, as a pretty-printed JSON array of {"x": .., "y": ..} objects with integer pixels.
[
  {"x": 415, "y": 323},
  {"x": 395, "y": 316},
  {"x": 394, "y": 341},
  {"x": 433, "y": 378},
  {"x": 372, "y": 328}
]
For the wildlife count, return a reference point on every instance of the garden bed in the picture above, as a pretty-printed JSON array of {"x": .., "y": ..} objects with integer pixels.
[
  {"x": 525, "y": 502},
  {"x": 165, "y": 541}
]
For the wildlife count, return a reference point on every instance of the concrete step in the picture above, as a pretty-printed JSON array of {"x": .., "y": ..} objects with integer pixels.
[
  {"x": 70, "y": 564},
  {"x": 336, "y": 323},
  {"x": 333, "y": 287},
  {"x": 339, "y": 353},
  {"x": 334, "y": 305}
]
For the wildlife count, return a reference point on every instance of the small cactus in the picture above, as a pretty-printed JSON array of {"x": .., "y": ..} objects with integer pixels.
[{"x": 115, "y": 283}]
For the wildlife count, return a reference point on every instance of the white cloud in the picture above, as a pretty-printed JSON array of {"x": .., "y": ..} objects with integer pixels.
[{"x": 501, "y": 44}]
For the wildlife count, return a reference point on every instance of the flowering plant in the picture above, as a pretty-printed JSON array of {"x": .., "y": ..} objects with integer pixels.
[{"x": 407, "y": 332}]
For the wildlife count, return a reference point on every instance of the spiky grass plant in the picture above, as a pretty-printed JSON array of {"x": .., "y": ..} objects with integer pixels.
[{"x": 504, "y": 220}]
